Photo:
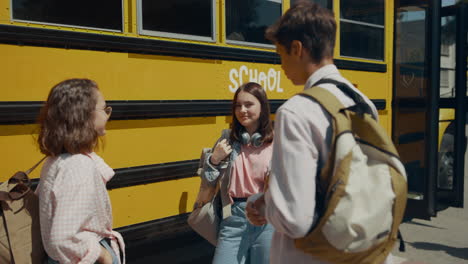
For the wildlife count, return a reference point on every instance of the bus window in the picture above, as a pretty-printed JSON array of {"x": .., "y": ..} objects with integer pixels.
[
  {"x": 410, "y": 118},
  {"x": 246, "y": 21},
  {"x": 103, "y": 14},
  {"x": 449, "y": 2},
  {"x": 185, "y": 19},
  {"x": 362, "y": 29},
  {"x": 447, "y": 58},
  {"x": 324, "y": 3},
  {"x": 410, "y": 53}
]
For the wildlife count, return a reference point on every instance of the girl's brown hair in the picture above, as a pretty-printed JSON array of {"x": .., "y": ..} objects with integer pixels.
[
  {"x": 66, "y": 121},
  {"x": 265, "y": 127}
]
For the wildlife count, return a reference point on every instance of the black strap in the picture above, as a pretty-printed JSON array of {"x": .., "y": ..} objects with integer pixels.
[
  {"x": 239, "y": 199},
  {"x": 361, "y": 107},
  {"x": 402, "y": 247},
  {"x": 33, "y": 167}
]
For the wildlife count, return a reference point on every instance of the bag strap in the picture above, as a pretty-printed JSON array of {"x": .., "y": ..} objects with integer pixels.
[
  {"x": 402, "y": 247},
  {"x": 21, "y": 178},
  {"x": 325, "y": 98},
  {"x": 335, "y": 108},
  {"x": 35, "y": 166},
  {"x": 361, "y": 106},
  {"x": 226, "y": 134}
]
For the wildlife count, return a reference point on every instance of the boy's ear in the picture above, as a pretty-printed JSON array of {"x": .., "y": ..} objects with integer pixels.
[{"x": 296, "y": 48}]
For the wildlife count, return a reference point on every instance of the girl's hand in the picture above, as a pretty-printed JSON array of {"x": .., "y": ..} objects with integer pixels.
[
  {"x": 105, "y": 257},
  {"x": 221, "y": 151}
]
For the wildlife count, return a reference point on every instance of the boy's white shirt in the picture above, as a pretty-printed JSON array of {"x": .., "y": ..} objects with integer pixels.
[{"x": 302, "y": 142}]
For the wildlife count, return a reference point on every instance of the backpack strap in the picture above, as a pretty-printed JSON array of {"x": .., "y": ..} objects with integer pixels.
[
  {"x": 333, "y": 106},
  {"x": 402, "y": 247},
  {"x": 361, "y": 106},
  {"x": 226, "y": 134},
  {"x": 21, "y": 177},
  {"x": 325, "y": 98},
  {"x": 341, "y": 123},
  {"x": 18, "y": 179},
  {"x": 33, "y": 167}
]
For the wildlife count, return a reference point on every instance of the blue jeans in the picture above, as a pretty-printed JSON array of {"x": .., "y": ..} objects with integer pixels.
[
  {"x": 105, "y": 244},
  {"x": 240, "y": 242}
]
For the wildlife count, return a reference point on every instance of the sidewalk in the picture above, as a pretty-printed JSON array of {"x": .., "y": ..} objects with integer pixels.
[{"x": 443, "y": 240}]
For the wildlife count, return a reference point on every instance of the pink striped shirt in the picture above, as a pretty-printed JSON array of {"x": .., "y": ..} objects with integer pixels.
[
  {"x": 249, "y": 170},
  {"x": 74, "y": 207}
]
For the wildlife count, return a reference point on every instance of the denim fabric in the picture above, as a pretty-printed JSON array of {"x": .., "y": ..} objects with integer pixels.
[
  {"x": 240, "y": 242},
  {"x": 105, "y": 244}
]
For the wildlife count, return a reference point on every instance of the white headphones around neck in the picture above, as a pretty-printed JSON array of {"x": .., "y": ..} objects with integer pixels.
[{"x": 255, "y": 140}]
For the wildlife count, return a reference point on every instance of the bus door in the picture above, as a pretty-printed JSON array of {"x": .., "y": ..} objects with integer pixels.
[
  {"x": 452, "y": 109},
  {"x": 435, "y": 178}
]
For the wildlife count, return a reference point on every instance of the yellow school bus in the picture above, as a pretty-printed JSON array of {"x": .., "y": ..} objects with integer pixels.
[{"x": 169, "y": 70}]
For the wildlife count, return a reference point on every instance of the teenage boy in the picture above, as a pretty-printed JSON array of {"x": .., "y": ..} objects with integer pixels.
[{"x": 304, "y": 38}]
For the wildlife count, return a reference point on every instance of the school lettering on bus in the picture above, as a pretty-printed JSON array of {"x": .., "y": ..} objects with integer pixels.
[{"x": 270, "y": 80}]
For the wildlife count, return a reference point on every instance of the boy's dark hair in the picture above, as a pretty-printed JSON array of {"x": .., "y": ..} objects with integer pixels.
[
  {"x": 265, "y": 127},
  {"x": 309, "y": 23},
  {"x": 66, "y": 120}
]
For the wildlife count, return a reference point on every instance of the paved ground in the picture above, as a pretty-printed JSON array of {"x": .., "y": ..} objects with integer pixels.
[{"x": 443, "y": 240}]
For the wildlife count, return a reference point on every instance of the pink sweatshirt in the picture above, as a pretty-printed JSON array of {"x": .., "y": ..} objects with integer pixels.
[{"x": 249, "y": 170}]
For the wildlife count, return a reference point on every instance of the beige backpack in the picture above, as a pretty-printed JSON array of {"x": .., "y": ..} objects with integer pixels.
[
  {"x": 361, "y": 189},
  {"x": 20, "y": 233}
]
